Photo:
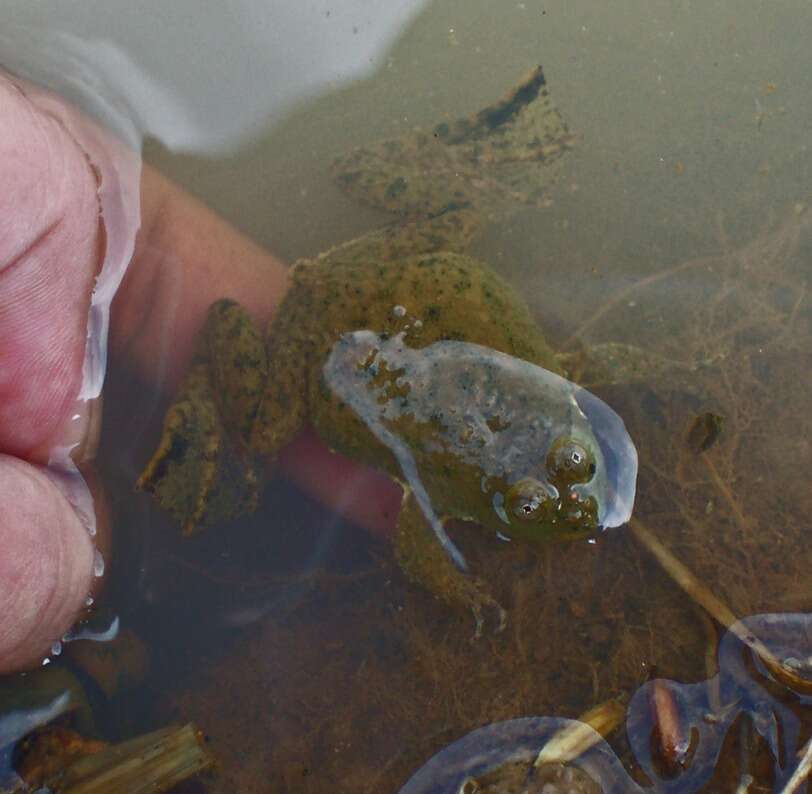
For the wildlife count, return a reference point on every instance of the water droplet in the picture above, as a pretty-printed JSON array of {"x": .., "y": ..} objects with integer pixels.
[
  {"x": 99, "y": 628},
  {"x": 98, "y": 564},
  {"x": 56, "y": 648},
  {"x": 89, "y": 601}
]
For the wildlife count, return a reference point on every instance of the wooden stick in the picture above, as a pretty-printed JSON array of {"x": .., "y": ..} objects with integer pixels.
[
  {"x": 148, "y": 764},
  {"x": 576, "y": 739},
  {"x": 801, "y": 772}
]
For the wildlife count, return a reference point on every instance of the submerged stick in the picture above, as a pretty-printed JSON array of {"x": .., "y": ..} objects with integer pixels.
[
  {"x": 564, "y": 745},
  {"x": 577, "y": 738},
  {"x": 727, "y": 494},
  {"x": 148, "y": 764},
  {"x": 801, "y": 772}
]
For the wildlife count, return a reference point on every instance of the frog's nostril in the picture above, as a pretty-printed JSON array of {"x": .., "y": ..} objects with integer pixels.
[{"x": 579, "y": 511}]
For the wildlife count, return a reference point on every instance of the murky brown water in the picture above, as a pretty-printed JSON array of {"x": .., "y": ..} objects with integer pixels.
[{"x": 680, "y": 223}]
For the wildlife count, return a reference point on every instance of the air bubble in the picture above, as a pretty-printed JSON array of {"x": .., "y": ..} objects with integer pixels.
[
  {"x": 399, "y": 311},
  {"x": 56, "y": 648},
  {"x": 89, "y": 601},
  {"x": 98, "y": 564}
]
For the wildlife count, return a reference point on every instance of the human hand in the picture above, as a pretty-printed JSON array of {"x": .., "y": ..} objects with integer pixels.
[{"x": 52, "y": 244}]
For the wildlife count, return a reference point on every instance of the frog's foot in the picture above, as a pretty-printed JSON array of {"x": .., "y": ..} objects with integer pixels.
[
  {"x": 203, "y": 471},
  {"x": 486, "y": 608},
  {"x": 197, "y": 474},
  {"x": 425, "y": 561},
  {"x": 500, "y": 155},
  {"x": 523, "y": 126}
]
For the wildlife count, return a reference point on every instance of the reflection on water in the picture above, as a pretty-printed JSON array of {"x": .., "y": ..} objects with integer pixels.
[
  {"x": 680, "y": 224},
  {"x": 707, "y": 710},
  {"x": 702, "y": 713}
]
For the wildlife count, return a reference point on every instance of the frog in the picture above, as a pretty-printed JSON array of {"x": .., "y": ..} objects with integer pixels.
[{"x": 405, "y": 353}]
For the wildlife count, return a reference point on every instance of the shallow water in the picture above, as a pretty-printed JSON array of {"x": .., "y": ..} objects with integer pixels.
[{"x": 680, "y": 222}]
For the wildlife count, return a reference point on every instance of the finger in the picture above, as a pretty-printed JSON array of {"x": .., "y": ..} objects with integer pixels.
[
  {"x": 46, "y": 565},
  {"x": 363, "y": 495},
  {"x": 49, "y": 254}
]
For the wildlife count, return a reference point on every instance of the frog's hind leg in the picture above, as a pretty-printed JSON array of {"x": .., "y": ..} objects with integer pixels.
[
  {"x": 449, "y": 231},
  {"x": 202, "y": 472},
  {"x": 281, "y": 412},
  {"x": 426, "y": 562}
]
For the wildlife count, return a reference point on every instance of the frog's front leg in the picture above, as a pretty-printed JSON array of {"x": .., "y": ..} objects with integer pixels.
[
  {"x": 202, "y": 471},
  {"x": 425, "y": 561}
]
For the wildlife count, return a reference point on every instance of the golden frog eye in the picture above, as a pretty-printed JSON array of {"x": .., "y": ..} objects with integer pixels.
[
  {"x": 528, "y": 499},
  {"x": 569, "y": 462}
]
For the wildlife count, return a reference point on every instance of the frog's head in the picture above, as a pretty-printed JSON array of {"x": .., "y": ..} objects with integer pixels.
[
  {"x": 558, "y": 501},
  {"x": 586, "y": 481}
]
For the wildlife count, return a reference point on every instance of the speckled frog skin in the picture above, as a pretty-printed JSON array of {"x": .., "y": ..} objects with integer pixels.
[{"x": 404, "y": 353}]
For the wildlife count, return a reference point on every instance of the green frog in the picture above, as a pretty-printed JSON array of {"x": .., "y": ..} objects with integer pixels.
[{"x": 405, "y": 353}]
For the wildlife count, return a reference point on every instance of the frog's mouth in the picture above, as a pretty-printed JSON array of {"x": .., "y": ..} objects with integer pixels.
[{"x": 619, "y": 470}]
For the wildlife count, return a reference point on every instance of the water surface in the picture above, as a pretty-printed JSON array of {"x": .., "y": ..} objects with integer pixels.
[{"x": 680, "y": 223}]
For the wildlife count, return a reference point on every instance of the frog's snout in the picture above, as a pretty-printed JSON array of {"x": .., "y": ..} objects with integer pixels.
[
  {"x": 560, "y": 503},
  {"x": 534, "y": 504}
]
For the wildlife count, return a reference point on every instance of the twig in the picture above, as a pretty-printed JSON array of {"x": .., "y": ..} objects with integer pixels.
[
  {"x": 152, "y": 763},
  {"x": 727, "y": 494},
  {"x": 801, "y": 772},
  {"x": 577, "y": 738},
  {"x": 625, "y": 292}
]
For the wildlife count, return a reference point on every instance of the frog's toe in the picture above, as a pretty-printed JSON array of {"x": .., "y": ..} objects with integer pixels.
[
  {"x": 182, "y": 469},
  {"x": 195, "y": 473},
  {"x": 487, "y": 610}
]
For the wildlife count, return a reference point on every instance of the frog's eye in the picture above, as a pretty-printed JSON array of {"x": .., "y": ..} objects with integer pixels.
[
  {"x": 529, "y": 499},
  {"x": 569, "y": 462}
]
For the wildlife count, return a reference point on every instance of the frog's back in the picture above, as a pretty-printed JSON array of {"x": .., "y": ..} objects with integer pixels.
[
  {"x": 428, "y": 297},
  {"x": 411, "y": 276}
]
